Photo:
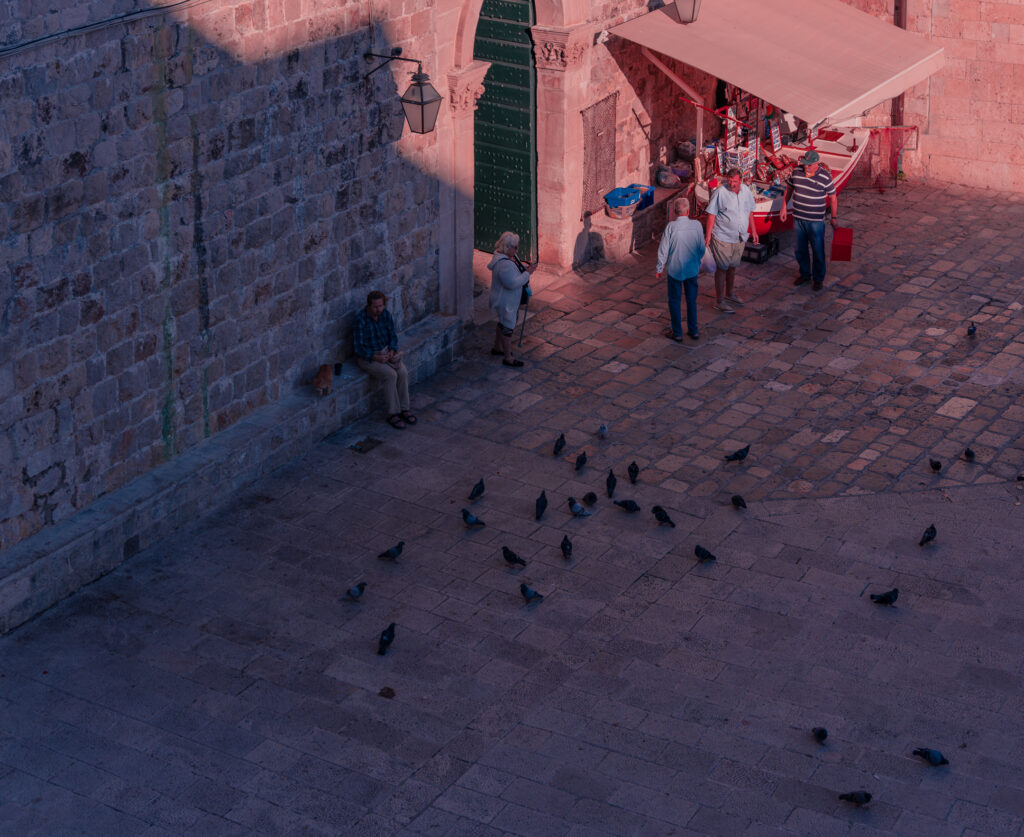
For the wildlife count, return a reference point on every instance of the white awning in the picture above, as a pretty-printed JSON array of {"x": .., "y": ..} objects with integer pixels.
[{"x": 819, "y": 59}]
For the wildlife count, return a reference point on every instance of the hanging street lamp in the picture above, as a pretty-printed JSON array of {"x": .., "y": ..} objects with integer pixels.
[{"x": 421, "y": 102}]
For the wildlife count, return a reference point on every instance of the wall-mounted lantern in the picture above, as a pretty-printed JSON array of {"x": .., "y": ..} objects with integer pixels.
[
  {"x": 687, "y": 10},
  {"x": 421, "y": 102}
]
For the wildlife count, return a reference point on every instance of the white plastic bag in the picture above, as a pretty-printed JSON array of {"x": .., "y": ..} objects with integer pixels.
[{"x": 707, "y": 264}]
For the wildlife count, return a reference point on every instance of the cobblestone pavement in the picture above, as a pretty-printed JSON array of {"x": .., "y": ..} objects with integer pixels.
[{"x": 215, "y": 684}]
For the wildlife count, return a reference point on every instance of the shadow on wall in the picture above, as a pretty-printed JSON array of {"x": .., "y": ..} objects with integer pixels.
[
  {"x": 192, "y": 212},
  {"x": 589, "y": 245},
  {"x": 669, "y": 119}
]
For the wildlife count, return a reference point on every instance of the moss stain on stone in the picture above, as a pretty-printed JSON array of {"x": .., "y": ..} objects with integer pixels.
[
  {"x": 199, "y": 247},
  {"x": 158, "y": 92}
]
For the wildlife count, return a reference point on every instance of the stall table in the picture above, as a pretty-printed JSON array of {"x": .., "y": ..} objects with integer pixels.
[{"x": 621, "y": 236}]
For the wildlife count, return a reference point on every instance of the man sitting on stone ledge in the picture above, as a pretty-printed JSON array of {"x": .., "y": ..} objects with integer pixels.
[{"x": 376, "y": 346}]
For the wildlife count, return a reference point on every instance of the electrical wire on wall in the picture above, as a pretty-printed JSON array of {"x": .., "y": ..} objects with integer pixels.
[{"x": 127, "y": 17}]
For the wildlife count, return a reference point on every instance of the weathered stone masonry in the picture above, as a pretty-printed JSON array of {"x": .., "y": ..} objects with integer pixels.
[{"x": 185, "y": 236}]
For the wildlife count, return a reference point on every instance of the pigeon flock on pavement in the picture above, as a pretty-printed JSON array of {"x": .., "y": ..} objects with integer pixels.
[{"x": 532, "y": 597}]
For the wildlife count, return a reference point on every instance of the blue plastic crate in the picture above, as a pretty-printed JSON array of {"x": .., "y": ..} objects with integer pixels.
[
  {"x": 646, "y": 194},
  {"x": 622, "y": 196}
]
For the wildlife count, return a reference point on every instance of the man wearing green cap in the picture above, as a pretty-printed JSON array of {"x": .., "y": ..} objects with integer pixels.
[{"x": 810, "y": 189}]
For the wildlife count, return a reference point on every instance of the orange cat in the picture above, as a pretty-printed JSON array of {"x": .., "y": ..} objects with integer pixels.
[{"x": 322, "y": 381}]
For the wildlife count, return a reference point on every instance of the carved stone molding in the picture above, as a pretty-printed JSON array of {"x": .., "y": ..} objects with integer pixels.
[
  {"x": 465, "y": 87},
  {"x": 560, "y": 47}
]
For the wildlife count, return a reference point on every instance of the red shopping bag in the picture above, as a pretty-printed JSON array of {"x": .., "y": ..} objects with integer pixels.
[{"x": 842, "y": 244}]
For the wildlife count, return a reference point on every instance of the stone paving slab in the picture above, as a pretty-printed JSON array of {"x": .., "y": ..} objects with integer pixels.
[{"x": 215, "y": 683}]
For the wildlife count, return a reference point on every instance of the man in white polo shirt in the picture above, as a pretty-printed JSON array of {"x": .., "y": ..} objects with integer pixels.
[
  {"x": 730, "y": 222},
  {"x": 811, "y": 189}
]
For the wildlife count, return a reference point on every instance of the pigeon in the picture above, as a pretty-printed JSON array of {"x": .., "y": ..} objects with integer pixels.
[
  {"x": 738, "y": 501},
  {"x": 602, "y": 431},
  {"x": 888, "y": 598},
  {"x": 968, "y": 454},
  {"x": 559, "y": 444},
  {"x": 393, "y": 553},
  {"x": 477, "y": 491},
  {"x": 972, "y": 329},
  {"x": 627, "y": 505},
  {"x": 703, "y": 554},
  {"x": 577, "y": 509},
  {"x": 820, "y": 734},
  {"x": 610, "y": 482},
  {"x": 471, "y": 520},
  {"x": 662, "y": 517},
  {"x": 581, "y": 460},
  {"x": 566, "y": 547},
  {"x": 590, "y": 498},
  {"x": 511, "y": 558},
  {"x": 928, "y": 536},
  {"x": 858, "y": 798},
  {"x": 936, "y": 466},
  {"x": 738, "y": 455},
  {"x": 353, "y": 594},
  {"x": 529, "y": 594},
  {"x": 540, "y": 506},
  {"x": 634, "y": 471},
  {"x": 933, "y": 757},
  {"x": 387, "y": 636}
]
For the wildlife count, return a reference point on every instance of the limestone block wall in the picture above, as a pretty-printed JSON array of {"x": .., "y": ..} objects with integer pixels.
[
  {"x": 192, "y": 208},
  {"x": 970, "y": 115},
  {"x": 652, "y": 117}
]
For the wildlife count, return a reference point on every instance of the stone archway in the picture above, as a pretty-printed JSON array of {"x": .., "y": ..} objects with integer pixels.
[{"x": 562, "y": 39}]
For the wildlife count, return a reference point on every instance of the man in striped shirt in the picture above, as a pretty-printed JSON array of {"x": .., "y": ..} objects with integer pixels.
[{"x": 810, "y": 189}]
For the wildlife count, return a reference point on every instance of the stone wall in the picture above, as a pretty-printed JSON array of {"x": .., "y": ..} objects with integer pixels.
[
  {"x": 970, "y": 115},
  {"x": 191, "y": 210},
  {"x": 652, "y": 116}
]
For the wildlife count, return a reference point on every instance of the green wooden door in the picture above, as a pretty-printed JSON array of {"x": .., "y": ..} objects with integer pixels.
[{"x": 505, "y": 135}]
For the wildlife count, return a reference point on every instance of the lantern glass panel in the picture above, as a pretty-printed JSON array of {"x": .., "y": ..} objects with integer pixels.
[
  {"x": 421, "y": 103},
  {"x": 687, "y": 10}
]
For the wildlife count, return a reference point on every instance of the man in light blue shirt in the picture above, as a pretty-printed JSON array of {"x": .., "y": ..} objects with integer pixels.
[
  {"x": 730, "y": 216},
  {"x": 679, "y": 253}
]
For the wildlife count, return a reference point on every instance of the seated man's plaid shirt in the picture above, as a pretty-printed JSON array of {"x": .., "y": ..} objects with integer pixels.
[{"x": 371, "y": 337}]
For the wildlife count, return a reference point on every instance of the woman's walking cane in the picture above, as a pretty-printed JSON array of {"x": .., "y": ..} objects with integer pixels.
[{"x": 524, "y": 299}]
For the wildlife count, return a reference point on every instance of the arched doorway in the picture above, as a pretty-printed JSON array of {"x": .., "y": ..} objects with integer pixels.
[{"x": 505, "y": 127}]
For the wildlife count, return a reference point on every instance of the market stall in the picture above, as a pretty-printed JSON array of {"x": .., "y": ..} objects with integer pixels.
[
  {"x": 755, "y": 143},
  {"x": 803, "y": 73}
]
